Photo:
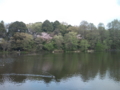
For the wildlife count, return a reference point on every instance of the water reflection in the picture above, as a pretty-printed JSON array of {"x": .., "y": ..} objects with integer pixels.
[{"x": 62, "y": 66}]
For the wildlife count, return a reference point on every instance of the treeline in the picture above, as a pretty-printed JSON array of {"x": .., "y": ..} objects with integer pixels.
[{"x": 49, "y": 36}]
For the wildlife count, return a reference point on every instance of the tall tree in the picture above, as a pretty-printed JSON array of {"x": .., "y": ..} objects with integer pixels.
[
  {"x": 91, "y": 26},
  {"x": 63, "y": 28},
  {"x": 56, "y": 25},
  {"x": 2, "y": 30},
  {"x": 47, "y": 26},
  {"x": 102, "y": 32},
  {"x": 58, "y": 41},
  {"x": 17, "y": 27},
  {"x": 22, "y": 41},
  {"x": 34, "y": 27},
  {"x": 114, "y": 32},
  {"x": 84, "y": 45},
  {"x": 71, "y": 41},
  {"x": 84, "y": 26},
  {"x": 73, "y": 29},
  {"x": 5, "y": 45}
]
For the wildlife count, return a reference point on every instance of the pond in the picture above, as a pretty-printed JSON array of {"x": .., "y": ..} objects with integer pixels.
[{"x": 60, "y": 71}]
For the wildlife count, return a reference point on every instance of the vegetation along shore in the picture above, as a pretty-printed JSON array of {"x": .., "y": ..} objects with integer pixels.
[{"x": 59, "y": 37}]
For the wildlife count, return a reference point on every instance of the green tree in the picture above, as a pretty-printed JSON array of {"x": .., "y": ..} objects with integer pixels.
[
  {"x": 93, "y": 37},
  {"x": 22, "y": 41},
  {"x": 5, "y": 45},
  {"x": 73, "y": 29},
  {"x": 39, "y": 43},
  {"x": 71, "y": 41},
  {"x": 91, "y": 26},
  {"x": 63, "y": 28},
  {"x": 114, "y": 32},
  {"x": 58, "y": 41},
  {"x": 84, "y": 45},
  {"x": 99, "y": 47},
  {"x": 34, "y": 27},
  {"x": 102, "y": 32},
  {"x": 47, "y": 26},
  {"x": 84, "y": 26},
  {"x": 56, "y": 25},
  {"x": 2, "y": 30},
  {"x": 49, "y": 46},
  {"x": 17, "y": 27}
]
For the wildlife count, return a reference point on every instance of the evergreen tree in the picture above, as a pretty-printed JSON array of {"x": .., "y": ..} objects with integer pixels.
[
  {"x": 47, "y": 26},
  {"x": 2, "y": 30},
  {"x": 17, "y": 27}
]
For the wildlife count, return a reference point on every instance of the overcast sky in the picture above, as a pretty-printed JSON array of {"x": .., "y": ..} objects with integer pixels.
[{"x": 69, "y": 11}]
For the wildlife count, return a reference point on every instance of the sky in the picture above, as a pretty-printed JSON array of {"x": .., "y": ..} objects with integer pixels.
[{"x": 69, "y": 11}]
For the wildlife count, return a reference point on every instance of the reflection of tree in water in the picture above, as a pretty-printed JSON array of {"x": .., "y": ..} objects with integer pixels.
[
  {"x": 92, "y": 65},
  {"x": 15, "y": 79},
  {"x": 114, "y": 67},
  {"x": 18, "y": 79},
  {"x": 86, "y": 65}
]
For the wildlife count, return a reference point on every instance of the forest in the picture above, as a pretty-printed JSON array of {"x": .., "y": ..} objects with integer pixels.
[{"x": 59, "y": 36}]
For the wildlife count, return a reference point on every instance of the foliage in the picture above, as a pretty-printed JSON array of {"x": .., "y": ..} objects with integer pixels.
[
  {"x": 114, "y": 32},
  {"x": 5, "y": 45},
  {"x": 73, "y": 29},
  {"x": 21, "y": 41},
  {"x": 2, "y": 30},
  {"x": 49, "y": 46},
  {"x": 17, "y": 27},
  {"x": 56, "y": 25},
  {"x": 70, "y": 41},
  {"x": 39, "y": 43},
  {"x": 58, "y": 41},
  {"x": 47, "y": 26},
  {"x": 93, "y": 37},
  {"x": 34, "y": 27},
  {"x": 99, "y": 47},
  {"x": 84, "y": 45},
  {"x": 63, "y": 29},
  {"x": 61, "y": 36}
]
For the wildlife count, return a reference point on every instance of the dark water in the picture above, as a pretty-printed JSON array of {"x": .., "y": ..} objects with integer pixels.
[{"x": 83, "y": 71}]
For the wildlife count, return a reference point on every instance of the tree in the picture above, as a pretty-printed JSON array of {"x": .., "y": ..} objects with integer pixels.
[
  {"x": 56, "y": 25},
  {"x": 71, "y": 41},
  {"x": 102, "y": 32},
  {"x": 2, "y": 30},
  {"x": 22, "y": 41},
  {"x": 114, "y": 32},
  {"x": 39, "y": 43},
  {"x": 99, "y": 47},
  {"x": 63, "y": 28},
  {"x": 58, "y": 41},
  {"x": 73, "y": 29},
  {"x": 84, "y": 26},
  {"x": 49, "y": 46},
  {"x": 34, "y": 27},
  {"x": 5, "y": 45},
  {"x": 47, "y": 26},
  {"x": 17, "y": 27},
  {"x": 91, "y": 26},
  {"x": 93, "y": 37},
  {"x": 84, "y": 45}
]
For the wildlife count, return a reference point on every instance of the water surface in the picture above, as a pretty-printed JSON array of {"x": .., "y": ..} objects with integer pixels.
[{"x": 73, "y": 71}]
